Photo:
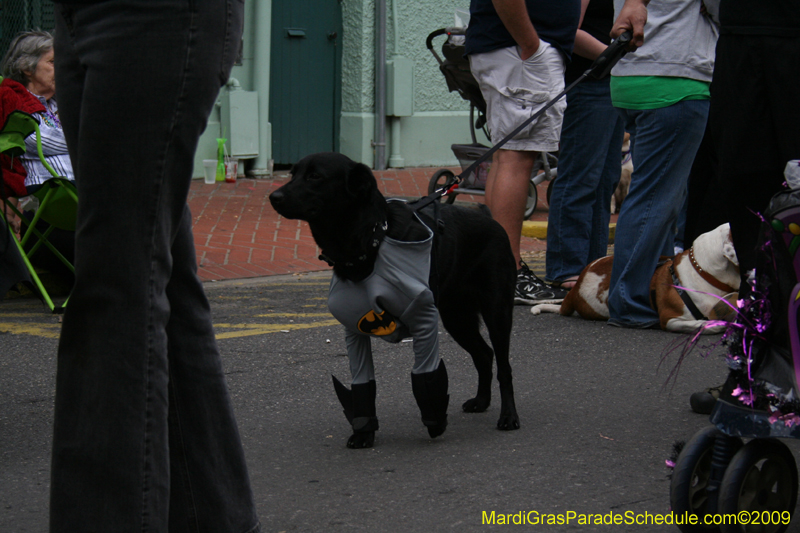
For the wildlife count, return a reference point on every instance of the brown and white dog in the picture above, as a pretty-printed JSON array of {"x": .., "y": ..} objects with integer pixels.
[
  {"x": 708, "y": 270},
  {"x": 625, "y": 176}
]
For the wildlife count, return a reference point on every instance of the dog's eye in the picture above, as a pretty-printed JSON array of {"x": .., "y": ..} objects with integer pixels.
[{"x": 313, "y": 176}]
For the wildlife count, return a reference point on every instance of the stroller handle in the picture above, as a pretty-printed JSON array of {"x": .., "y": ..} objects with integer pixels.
[
  {"x": 433, "y": 35},
  {"x": 443, "y": 31}
]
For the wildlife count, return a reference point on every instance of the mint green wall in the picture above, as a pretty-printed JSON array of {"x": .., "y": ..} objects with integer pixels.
[
  {"x": 439, "y": 120},
  {"x": 257, "y": 26}
]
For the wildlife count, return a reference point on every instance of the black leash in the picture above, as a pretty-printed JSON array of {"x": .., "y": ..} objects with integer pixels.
[{"x": 600, "y": 69}]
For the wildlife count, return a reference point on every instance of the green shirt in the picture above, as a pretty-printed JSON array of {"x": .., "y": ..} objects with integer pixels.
[{"x": 655, "y": 92}]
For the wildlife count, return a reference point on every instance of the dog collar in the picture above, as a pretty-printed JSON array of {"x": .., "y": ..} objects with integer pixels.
[
  {"x": 378, "y": 233},
  {"x": 711, "y": 280}
]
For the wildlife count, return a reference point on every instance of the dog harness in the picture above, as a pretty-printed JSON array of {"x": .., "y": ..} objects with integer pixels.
[
  {"x": 392, "y": 303},
  {"x": 687, "y": 300}
]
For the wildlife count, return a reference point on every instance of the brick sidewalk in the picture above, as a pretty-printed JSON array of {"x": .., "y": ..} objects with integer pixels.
[{"x": 238, "y": 234}]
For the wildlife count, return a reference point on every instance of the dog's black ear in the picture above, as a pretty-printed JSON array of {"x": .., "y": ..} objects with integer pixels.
[{"x": 360, "y": 180}]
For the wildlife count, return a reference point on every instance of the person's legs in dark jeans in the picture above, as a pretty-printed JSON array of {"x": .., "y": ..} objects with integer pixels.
[
  {"x": 141, "y": 401},
  {"x": 665, "y": 142},
  {"x": 590, "y": 163},
  {"x": 706, "y": 207}
]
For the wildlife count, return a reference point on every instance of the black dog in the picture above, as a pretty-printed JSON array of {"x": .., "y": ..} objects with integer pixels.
[{"x": 472, "y": 275}]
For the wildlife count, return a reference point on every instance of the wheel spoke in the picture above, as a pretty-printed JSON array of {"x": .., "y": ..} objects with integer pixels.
[
  {"x": 698, "y": 495},
  {"x": 777, "y": 501},
  {"x": 752, "y": 480},
  {"x": 698, "y": 499},
  {"x": 749, "y": 489},
  {"x": 770, "y": 474}
]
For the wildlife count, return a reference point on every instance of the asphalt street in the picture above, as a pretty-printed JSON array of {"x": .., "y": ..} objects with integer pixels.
[{"x": 598, "y": 420}]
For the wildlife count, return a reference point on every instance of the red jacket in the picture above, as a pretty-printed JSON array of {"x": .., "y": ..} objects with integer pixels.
[{"x": 14, "y": 96}]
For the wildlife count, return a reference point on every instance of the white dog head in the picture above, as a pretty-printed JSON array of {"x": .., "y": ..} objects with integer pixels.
[{"x": 715, "y": 253}]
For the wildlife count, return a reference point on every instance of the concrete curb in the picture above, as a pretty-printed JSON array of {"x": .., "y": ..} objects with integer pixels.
[{"x": 538, "y": 230}]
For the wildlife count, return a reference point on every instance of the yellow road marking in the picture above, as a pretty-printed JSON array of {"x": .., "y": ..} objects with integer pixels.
[
  {"x": 248, "y": 330},
  {"x": 48, "y": 331},
  {"x": 294, "y": 315},
  {"x": 52, "y": 331}
]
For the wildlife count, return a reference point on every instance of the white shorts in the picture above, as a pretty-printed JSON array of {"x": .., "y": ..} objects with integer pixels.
[{"x": 515, "y": 89}]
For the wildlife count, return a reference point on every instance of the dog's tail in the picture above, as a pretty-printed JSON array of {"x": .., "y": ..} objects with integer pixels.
[{"x": 546, "y": 308}]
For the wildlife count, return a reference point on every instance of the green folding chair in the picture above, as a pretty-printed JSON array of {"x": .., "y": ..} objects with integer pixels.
[{"x": 58, "y": 201}]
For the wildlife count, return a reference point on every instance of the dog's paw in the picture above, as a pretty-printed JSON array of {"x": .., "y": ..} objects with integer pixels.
[
  {"x": 361, "y": 440},
  {"x": 475, "y": 405},
  {"x": 508, "y": 422}
]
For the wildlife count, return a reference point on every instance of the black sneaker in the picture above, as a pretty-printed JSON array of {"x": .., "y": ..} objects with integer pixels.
[
  {"x": 531, "y": 290},
  {"x": 703, "y": 402}
]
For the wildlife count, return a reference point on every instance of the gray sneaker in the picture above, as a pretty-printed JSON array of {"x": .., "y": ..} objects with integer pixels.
[{"x": 532, "y": 291}]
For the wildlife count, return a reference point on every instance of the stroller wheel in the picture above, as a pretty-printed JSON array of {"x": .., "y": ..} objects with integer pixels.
[
  {"x": 689, "y": 487},
  {"x": 438, "y": 180},
  {"x": 760, "y": 484},
  {"x": 533, "y": 199}
]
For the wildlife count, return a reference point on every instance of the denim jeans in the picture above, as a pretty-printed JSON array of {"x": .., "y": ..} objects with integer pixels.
[
  {"x": 589, "y": 168},
  {"x": 664, "y": 143},
  {"x": 144, "y": 434}
]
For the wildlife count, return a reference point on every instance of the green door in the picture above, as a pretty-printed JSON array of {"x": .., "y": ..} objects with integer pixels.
[{"x": 305, "y": 78}]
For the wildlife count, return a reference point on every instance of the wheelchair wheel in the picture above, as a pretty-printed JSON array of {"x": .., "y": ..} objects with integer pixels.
[
  {"x": 438, "y": 180},
  {"x": 533, "y": 198},
  {"x": 761, "y": 481},
  {"x": 688, "y": 491}
]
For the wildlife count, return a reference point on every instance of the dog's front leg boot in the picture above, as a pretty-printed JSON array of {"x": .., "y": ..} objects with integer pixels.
[
  {"x": 359, "y": 409},
  {"x": 364, "y": 422},
  {"x": 430, "y": 392}
]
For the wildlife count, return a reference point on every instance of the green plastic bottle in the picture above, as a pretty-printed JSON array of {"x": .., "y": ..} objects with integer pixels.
[{"x": 220, "y": 160}]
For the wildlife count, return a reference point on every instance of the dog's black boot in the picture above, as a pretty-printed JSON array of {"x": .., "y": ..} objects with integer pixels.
[
  {"x": 359, "y": 408},
  {"x": 430, "y": 391}
]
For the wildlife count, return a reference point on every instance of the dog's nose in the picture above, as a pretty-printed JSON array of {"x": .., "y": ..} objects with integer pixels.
[{"x": 276, "y": 197}]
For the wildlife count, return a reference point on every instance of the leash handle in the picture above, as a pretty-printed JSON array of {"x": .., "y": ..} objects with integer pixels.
[{"x": 605, "y": 62}]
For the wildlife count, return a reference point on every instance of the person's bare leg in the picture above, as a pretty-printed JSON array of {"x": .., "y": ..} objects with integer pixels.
[{"x": 507, "y": 192}]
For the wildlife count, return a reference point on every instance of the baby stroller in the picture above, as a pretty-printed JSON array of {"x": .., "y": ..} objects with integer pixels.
[
  {"x": 459, "y": 78},
  {"x": 737, "y": 486}
]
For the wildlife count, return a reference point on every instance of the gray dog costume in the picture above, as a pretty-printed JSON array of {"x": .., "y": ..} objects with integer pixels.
[{"x": 392, "y": 303}]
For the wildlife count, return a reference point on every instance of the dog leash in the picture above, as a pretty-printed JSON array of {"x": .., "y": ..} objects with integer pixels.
[{"x": 600, "y": 69}]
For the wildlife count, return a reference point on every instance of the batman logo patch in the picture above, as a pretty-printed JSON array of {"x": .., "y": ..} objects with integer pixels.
[{"x": 377, "y": 323}]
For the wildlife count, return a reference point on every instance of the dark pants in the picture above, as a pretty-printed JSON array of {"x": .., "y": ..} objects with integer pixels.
[
  {"x": 755, "y": 110},
  {"x": 707, "y": 208},
  {"x": 145, "y": 438},
  {"x": 588, "y": 172}
]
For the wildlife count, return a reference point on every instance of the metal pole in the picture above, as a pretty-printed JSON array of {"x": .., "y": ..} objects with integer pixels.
[
  {"x": 262, "y": 36},
  {"x": 380, "y": 85},
  {"x": 395, "y": 157}
]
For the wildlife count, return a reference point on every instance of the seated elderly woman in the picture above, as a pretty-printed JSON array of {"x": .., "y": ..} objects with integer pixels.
[
  {"x": 29, "y": 80},
  {"x": 29, "y": 62}
]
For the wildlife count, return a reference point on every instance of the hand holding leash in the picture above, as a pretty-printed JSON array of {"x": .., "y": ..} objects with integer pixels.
[{"x": 605, "y": 62}]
